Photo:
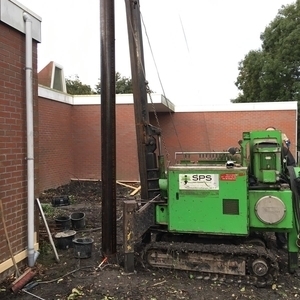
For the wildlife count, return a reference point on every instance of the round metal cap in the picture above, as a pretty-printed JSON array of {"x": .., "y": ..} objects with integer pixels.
[{"x": 270, "y": 209}]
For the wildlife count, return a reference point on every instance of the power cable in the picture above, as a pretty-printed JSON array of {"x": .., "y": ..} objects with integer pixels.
[
  {"x": 148, "y": 89},
  {"x": 188, "y": 50},
  {"x": 186, "y": 42},
  {"x": 162, "y": 87}
]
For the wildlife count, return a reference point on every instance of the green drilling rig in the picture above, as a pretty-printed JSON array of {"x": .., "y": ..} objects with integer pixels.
[{"x": 210, "y": 212}]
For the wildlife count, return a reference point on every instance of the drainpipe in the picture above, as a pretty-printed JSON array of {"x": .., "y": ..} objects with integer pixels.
[{"x": 32, "y": 254}]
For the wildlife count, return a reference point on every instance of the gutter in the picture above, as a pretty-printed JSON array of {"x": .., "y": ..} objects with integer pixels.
[{"x": 32, "y": 254}]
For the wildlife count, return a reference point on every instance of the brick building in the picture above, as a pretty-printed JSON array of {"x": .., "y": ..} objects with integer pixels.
[
  {"x": 70, "y": 132},
  {"x": 20, "y": 33},
  {"x": 67, "y": 133}
]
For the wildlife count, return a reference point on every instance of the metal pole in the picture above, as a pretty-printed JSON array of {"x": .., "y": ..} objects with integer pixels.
[
  {"x": 139, "y": 87},
  {"x": 108, "y": 126}
]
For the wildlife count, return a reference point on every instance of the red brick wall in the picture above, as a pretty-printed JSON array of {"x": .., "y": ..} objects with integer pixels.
[
  {"x": 56, "y": 143},
  {"x": 127, "y": 163},
  {"x": 217, "y": 131},
  {"x": 70, "y": 143},
  {"x": 86, "y": 144},
  {"x": 13, "y": 165},
  {"x": 72, "y": 150}
]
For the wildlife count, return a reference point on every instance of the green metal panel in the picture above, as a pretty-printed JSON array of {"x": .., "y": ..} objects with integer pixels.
[
  {"x": 208, "y": 200},
  {"x": 265, "y": 156},
  {"x": 268, "y": 176},
  {"x": 286, "y": 198},
  {"x": 162, "y": 214},
  {"x": 267, "y": 162},
  {"x": 261, "y": 134}
]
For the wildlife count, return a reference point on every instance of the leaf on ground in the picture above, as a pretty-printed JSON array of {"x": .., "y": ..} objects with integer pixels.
[{"x": 76, "y": 291}]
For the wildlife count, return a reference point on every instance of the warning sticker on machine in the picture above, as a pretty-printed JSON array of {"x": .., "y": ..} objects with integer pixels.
[
  {"x": 228, "y": 177},
  {"x": 198, "y": 181}
]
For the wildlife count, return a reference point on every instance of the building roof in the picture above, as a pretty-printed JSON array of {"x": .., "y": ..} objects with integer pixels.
[{"x": 52, "y": 86}]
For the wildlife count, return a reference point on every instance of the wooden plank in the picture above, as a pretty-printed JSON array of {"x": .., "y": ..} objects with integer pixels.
[
  {"x": 129, "y": 181},
  {"x": 135, "y": 191},
  {"x": 127, "y": 185},
  {"x": 18, "y": 257}
]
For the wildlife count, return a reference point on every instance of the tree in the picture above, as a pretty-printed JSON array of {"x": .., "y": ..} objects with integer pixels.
[
  {"x": 76, "y": 87},
  {"x": 250, "y": 70},
  {"x": 273, "y": 73},
  {"x": 123, "y": 85}
]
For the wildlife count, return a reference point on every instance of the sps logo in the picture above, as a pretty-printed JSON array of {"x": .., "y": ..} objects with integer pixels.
[
  {"x": 198, "y": 182},
  {"x": 201, "y": 177}
]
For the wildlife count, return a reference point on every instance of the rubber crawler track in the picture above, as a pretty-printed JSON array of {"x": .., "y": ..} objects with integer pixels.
[{"x": 247, "y": 251}]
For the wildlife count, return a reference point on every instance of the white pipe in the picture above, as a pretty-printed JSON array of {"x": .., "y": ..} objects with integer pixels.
[{"x": 32, "y": 254}]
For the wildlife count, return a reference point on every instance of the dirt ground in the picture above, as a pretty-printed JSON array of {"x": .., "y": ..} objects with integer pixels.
[{"x": 87, "y": 278}]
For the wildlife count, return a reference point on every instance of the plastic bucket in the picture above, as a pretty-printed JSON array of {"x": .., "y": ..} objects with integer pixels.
[
  {"x": 78, "y": 220},
  {"x": 63, "y": 222},
  {"x": 83, "y": 247},
  {"x": 64, "y": 239},
  {"x": 60, "y": 200}
]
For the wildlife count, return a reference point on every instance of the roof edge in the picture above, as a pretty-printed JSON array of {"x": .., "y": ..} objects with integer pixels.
[
  {"x": 258, "y": 106},
  {"x": 162, "y": 104}
]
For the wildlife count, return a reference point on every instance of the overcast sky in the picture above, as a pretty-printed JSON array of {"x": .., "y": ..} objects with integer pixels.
[{"x": 197, "y": 44}]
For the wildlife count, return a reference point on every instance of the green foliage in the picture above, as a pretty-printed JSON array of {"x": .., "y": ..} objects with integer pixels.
[
  {"x": 51, "y": 212},
  {"x": 123, "y": 85},
  {"x": 273, "y": 73},
  {"x": 48, "y": 209},
  {"x": 76, "y": 87},
  {"x": 72, "y": 199},
  {"x": 45, "y": 248},
  {"x": 250, "y": 72}
]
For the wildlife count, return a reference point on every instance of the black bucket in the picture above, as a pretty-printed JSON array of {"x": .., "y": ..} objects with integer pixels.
[
  {"x": 64, "y": 239},
  {"x": 78, "y": 220},
  {"x": 83, "y": 247},
  {"x": 60, "y": 200},
  {"x": 63, "y": 222}
]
